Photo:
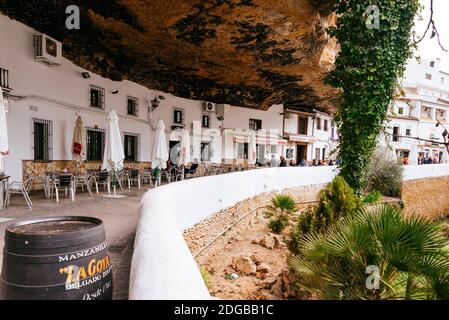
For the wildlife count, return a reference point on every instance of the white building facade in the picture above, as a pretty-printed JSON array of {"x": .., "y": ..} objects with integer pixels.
[
  {"x": 44, "y": 102},
  {"x": 419, "y": 117}
]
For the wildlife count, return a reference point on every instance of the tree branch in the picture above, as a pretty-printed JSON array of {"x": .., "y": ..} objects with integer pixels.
[{"x": 435, "y": 32}]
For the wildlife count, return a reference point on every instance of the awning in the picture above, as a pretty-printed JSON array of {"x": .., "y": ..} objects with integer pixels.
[
  {"x": 241, "y": 139},
  {"x": 301, "y": 138},
  {"x": 272, "y": 141}
]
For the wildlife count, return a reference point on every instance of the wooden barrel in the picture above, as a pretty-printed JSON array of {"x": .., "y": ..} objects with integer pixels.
[{"x": 56, "y": 258}]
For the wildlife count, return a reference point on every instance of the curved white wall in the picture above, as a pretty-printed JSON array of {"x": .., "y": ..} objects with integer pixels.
[
  {"x": 162, "y": 265},
  {"x": 425, "y": 171}
]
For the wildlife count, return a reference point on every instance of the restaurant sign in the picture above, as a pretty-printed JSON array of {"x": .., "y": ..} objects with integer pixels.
[
  {"x": 301, "y": 138},
  {"x": 272, "y": 141}
]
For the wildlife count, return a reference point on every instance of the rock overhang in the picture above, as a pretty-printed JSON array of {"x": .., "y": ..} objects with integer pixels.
[{"x": 248, "y": 53}]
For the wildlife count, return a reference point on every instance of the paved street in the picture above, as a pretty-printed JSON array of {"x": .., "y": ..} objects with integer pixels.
[{"x": 120, "y": 217}]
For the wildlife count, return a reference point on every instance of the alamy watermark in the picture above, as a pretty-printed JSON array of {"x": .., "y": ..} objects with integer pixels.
[
  {"x": 373, "y": 280},
  {"x": 73, "y": 20},
  {"x": 373, "y": 17}
]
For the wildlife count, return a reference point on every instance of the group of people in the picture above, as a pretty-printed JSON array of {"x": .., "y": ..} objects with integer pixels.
[
  {"x": 282, "y": 162},
  {"x": 428, "y": 160},
  {"x": 422, "y": 160}
]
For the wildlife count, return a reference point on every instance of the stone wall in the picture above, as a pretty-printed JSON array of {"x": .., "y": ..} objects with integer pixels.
[
  {"x": 428, "y": 197},
  {"x": 38, "y": 169}
]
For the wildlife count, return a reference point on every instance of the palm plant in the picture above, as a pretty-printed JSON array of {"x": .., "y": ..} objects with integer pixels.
[
  {"x": 411, "y": 254},
  {"x": 282, "y": 206}
]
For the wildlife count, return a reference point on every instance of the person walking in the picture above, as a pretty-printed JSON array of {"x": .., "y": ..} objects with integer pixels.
[
  {"x": 282, "y": 162},
  {"x": 274, "y": 162},
  {"x": 303, "y": 163}
]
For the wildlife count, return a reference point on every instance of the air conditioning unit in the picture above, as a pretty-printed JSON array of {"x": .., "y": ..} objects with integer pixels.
[
  {"x": 209, "y": 106},
  {"x": 47, "y": 50},
  {"x": 220, "y": 111}
]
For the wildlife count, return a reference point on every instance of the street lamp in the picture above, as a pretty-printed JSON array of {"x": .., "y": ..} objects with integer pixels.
[
  {"x": 445, "y": 135},
  {"x": 154, "y": 104}
]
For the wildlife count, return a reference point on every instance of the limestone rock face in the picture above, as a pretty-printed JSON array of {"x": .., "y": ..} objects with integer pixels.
[
  {"x": 244, "y": 265},
  {"x": 250, "y": 53}
]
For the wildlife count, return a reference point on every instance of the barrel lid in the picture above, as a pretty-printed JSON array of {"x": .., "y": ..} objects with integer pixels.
[{"x": 54, "y": 228}]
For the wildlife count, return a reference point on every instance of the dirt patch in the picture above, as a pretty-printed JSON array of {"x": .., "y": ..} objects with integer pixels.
[{"x": 248, "y": 261}]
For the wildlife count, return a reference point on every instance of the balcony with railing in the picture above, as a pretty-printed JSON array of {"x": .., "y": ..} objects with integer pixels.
[{"x": 4, "y": 80}]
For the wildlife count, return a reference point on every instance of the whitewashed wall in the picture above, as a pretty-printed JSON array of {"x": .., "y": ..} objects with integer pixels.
[{"x": 61, "y": 93}]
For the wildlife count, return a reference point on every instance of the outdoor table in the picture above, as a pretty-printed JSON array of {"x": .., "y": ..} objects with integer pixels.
[{"x": 4, "y": 183}]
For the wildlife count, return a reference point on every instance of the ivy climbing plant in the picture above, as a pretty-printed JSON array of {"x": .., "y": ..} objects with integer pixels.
[{"x": 367, "y": 69}]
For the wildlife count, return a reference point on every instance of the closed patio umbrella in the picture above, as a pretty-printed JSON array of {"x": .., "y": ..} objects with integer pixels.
[
  {"x": 252, "y": 150},
  {"x": 184, "y": 154},
  {"x": 113, "y": 152},
  {"x": 4, "y": 148},
  {"x": 159, "y": 156},
  {"x": 413, "y": 155},
  {"x": 79, "y": 140}
]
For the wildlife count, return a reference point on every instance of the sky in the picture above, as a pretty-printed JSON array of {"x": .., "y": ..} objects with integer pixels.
[{"x": 429, "y": 48}]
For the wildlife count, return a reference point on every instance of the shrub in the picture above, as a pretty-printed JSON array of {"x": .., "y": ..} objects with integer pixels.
[
  {"x": 337, "y": 200},
  {"x": 384, "y": 175},
  {"x": 206, "y": 276},
  {"x": 410, "y": 253},
  {"x": 282, "y": 206},
  {"x": 371, "y": 197}
]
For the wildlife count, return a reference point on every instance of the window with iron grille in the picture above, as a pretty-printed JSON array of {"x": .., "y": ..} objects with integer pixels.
[
  {"x": 95, "y": 144},
  {"x": 178, "y": 116},
  {"x": 43, "y": 140},
  {"x": 302, "y": 125},
  {"x": 96, "y": 97},
  {"x": 4, "y": 79},
  {"x": 255, "y": 124},
  {"x": 131, "y": 147},
  {"x": 206, "y": 121},
  {"x": 133, "y": 106}
]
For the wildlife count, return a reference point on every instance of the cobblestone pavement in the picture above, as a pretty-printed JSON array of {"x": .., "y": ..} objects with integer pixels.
[{"x": 120, "y": 217}]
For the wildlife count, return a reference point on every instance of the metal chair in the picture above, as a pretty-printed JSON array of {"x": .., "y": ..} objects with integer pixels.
[
  {"x": 103, "y": 178},
  {"x": 134, "y": 176},
  {"x": 65, "y": 182},
  {"x": 191, "y": 172},
  {"x": 22, "y": 188},
  {"x": 84, "y": 180},
  {"x": 179, "y": 173},
  {"x": 166, "y": 173},
  {"x": 147, "y": 176}
]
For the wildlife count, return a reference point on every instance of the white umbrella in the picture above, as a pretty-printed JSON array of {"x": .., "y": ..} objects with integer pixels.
[
  {"x": 113, "y": 152},
  {"x": 4, "y": 148},
  {"x": 413, "y": 155},
  {"x": 159, "y": 156},
  {"x": 252, "y": 150},
  {"x": 79, "y": 140},
  {"x": 184, "y": 154}
]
